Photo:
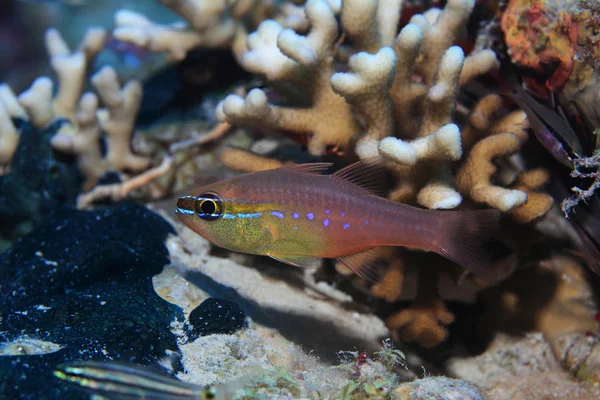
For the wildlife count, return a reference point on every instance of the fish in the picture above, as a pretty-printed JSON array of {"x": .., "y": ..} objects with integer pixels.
[
  {"x": 113, "y": 380},
  {"x": 298, "y": 215},
  {"x": 551, "y": 129}
]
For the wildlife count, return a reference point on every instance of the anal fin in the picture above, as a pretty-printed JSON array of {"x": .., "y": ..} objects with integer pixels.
[
  {"x": 297, "y": 260},
  {"x": 366, "y": 264}
]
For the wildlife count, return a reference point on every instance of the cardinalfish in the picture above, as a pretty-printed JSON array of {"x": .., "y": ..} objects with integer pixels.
[
  {"x": 112, "y": 380},
  {"x": 298, "y": 216}
]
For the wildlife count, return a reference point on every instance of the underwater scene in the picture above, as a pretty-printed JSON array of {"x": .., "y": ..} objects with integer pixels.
[{"x": 300, "y": 199}]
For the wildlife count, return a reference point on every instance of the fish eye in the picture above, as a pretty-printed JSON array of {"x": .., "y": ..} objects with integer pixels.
[
  {"x": 210, "y": 394},
  {"x": 208, "y": 206}
]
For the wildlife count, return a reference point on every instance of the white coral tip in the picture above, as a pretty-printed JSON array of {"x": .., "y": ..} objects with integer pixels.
[
  {"x": 449, "y": 141},
  {"x": 257, "y": 98},
  {"x": 511, "y": 199},
  {"x": 453, "y": 59},
  {"x": 410, "y": 36},
  {"x": 232, "y": 105},
  {"x": 436, "y": 196},
  {"x": 293, "y": 45},
  {"x": 367, "y": 148},
  {"x": 131, "y": 18},
  {"x": 398, "y": 151}
]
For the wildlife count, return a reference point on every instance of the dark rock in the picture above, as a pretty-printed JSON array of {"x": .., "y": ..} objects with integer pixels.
[
  {"x": 83, "y": 280},
  {"x": 216, "y": 316},
  {"x": 39, "y": 182},
  {"x": 177, "y": 91}
]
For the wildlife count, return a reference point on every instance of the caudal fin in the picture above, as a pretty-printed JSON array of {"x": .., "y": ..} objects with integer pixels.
[{"x": 463, "y": 234}]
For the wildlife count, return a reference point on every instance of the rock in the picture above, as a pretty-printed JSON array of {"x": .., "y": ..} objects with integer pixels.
[
  {"x": 83, "y": 281},
  {"x": 436, "y": 388},
  {"x": 216, "y": 316},
  {"x": 39, "y": 182}
]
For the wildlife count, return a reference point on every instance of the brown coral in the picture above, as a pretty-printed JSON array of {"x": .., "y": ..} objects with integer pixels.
[
  {"x": 474, "y": 176},
  {"x": 537, "y": 204},
  {"x": 425, "y": 319},
  {"x": 245, "y": 161}
]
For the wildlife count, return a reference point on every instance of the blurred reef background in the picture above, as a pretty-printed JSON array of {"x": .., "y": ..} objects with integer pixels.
[{"x": 110, "y": 110}]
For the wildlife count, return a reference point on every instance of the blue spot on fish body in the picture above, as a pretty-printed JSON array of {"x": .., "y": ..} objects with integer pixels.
[
  {"x": 296, "y": 215},
  {"x": 343, "y": 213},
  {"x": 325, "y": 222},
  {"x": 367, "y": 222},
  {"x": 327, "y": 211},
  {"x": 346, "y": 226},
  {"x": 277, "y": 214},
  {"x": 310, "y": 216}
]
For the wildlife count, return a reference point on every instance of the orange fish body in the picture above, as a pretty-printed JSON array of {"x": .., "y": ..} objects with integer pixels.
[{"x": 298, "y": 216}]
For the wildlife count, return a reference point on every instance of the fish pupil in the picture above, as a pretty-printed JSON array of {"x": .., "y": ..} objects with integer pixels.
[{"x": 208, "y": 206}]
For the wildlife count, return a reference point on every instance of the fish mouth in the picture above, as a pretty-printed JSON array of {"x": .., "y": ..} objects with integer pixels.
[{"x": 185, "y": 207}]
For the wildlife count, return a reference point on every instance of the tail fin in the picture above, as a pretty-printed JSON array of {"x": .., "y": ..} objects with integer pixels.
[{"x": 462, "y": 236}]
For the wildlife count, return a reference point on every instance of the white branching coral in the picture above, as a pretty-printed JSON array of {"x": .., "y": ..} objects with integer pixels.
[
  {"x": 89, "y": 123},
  {"x": 9, "y": 137},
  {"x": 208, "y": 24},
  {"x": 213, "y": 23},
  {"x": 305, "y": 62},
  {"x": 397, "y": 94},
  {"x": 39, "y": 104}
]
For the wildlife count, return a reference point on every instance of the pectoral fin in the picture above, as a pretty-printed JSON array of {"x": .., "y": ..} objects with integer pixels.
[
  {"x": 292, "y": 252},
  {"x": 298, "y": 261}
]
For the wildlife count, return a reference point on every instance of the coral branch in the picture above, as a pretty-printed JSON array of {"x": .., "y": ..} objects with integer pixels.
[
  {"x": 443, "y": 144},
  {"x": 474, "y": 177},
  {"x": 426, "y": 318},
  {"x": 537, "y": 204},
  {"x": 118, "y": 119},
  {"x": 366, "y": 88},
  {"x": 119, "y": 191}
]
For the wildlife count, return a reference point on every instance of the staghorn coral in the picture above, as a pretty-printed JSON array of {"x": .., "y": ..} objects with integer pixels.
[
  {"x": 37, "y": 103},
  {"x": 506, "y": 136},
  {"x": 210, "y": 24},
  {"x": 282, "y": 55},
  {"x": 87, "y": 121}
]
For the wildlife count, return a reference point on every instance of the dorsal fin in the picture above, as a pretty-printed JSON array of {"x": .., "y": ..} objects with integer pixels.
[
  {"x": 309, "y": 168},
  {"x": 369, "y": 174}
]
